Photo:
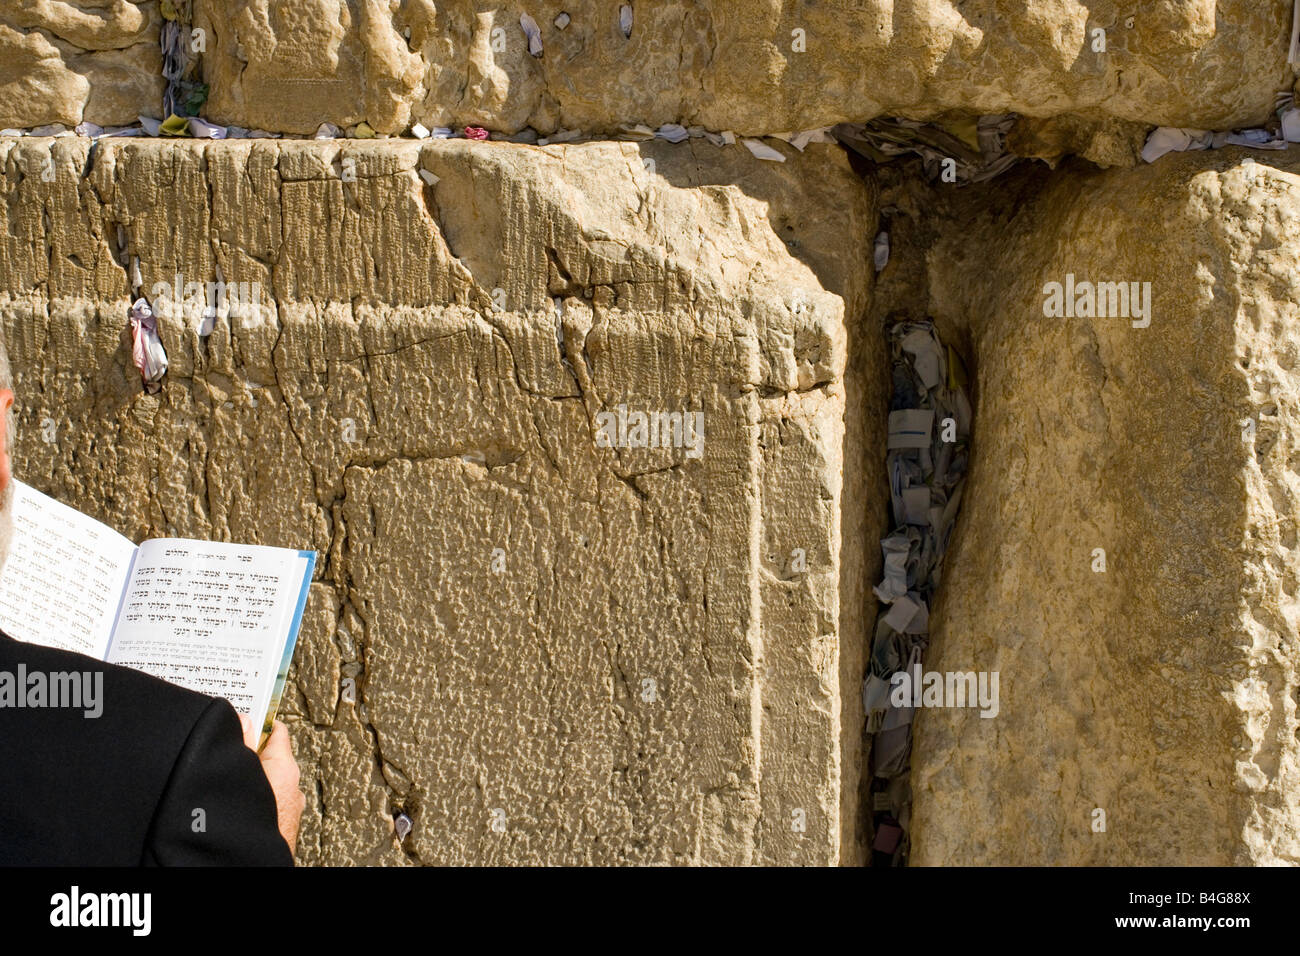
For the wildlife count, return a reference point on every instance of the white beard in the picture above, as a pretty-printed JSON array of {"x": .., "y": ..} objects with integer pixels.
[{"x": 6, "y": 522}]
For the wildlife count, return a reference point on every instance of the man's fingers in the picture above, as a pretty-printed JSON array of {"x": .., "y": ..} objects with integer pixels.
[
  {"x": 282, "y": 772},
  {"x": 277, "y": 757},
  {"x": 250, "y": 732},
  {"x": 277, "y": 745}
]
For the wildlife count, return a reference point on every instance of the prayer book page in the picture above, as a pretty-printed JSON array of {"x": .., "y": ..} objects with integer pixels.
[
  {"x": 63, "y": 579},
  {"x": 217, "y": 618}
]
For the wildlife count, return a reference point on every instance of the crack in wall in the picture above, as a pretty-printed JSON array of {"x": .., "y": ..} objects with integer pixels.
[
  {"x": 929, "y": 436},
  {"x": 294, "y": 406}
]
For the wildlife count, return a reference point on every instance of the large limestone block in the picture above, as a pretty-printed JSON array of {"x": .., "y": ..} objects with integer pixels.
[
  {"x": 64, "y": 61},
  {"x": 612, "y": 654},
  {"x": 756, "y": 67},
  {"x": 1164, "y": 690}
]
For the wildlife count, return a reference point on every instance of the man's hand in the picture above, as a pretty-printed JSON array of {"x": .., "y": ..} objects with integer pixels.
[{"x": 282, "y": 772}]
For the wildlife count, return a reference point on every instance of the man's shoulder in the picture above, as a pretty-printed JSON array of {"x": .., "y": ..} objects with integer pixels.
[
  {"x": 91, "y": 745},
  {"x": 90, "y": 714}
]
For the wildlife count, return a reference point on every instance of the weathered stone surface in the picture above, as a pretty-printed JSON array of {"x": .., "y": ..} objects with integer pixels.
[
  {"x": 616, "y": 649},
  {"x": 756, "y": 68},
  {"x": 292, "y": 64},
  {"x": 93, "y": 60},
  {"x": 409, "y": 403},
  {"x": 1163, "y": 691}
]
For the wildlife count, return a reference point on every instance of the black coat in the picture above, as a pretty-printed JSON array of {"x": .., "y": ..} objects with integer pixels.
[{"x": 122, "y": 789}]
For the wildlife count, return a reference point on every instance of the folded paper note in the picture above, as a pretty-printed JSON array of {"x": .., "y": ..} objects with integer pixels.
[{"x": 910, "y": 428}]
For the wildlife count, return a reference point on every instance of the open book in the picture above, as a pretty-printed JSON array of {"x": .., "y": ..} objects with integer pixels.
[{"x": 218, "y": 618}]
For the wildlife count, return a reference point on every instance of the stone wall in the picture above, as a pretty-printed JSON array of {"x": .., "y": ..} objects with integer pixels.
[
  {"x": 1163, "y": 690},
  {"x": 757, "y": 67},
  {"x": 65, "y": 62},
  {"x": 635, "y": 655},
  {"x": 564, "y": 652}
]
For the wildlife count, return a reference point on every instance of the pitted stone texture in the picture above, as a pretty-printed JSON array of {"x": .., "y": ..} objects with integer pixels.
[
  {"x": 757, "y": 67},
  {"x": 1164, "y": 690},
  {"x": 65, "y": 61},
  {"x": 647, "y": 674}
]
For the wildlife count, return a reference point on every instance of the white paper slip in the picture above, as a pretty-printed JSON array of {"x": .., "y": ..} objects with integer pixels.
[{"x": 911, "y": 428}]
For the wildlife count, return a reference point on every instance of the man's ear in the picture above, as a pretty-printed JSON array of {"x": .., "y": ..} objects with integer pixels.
[{"x": 6, "y": 403}]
